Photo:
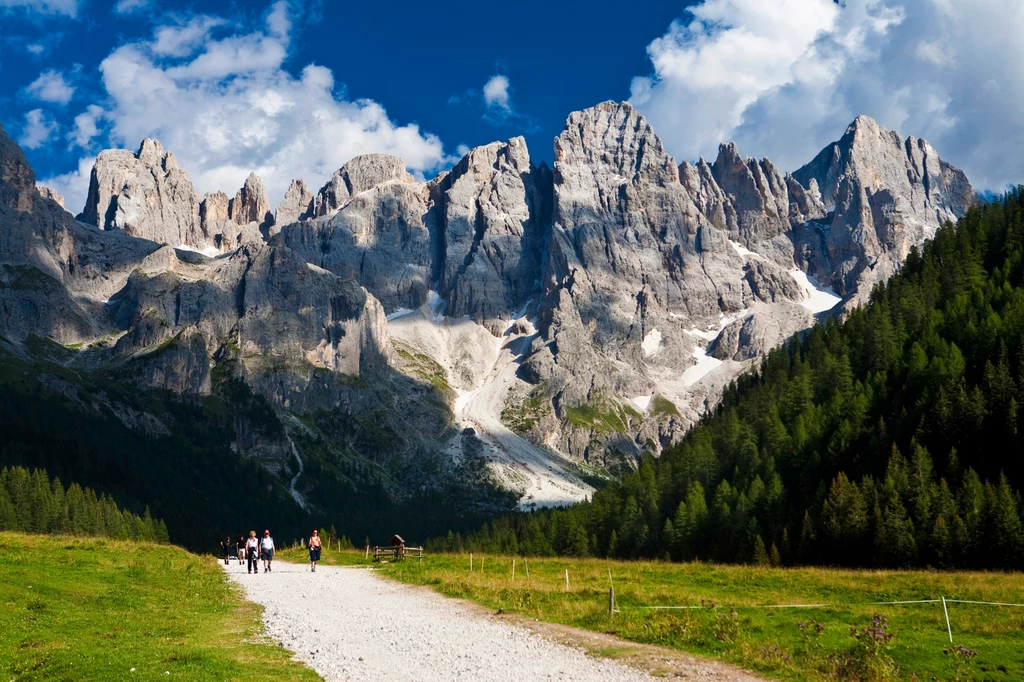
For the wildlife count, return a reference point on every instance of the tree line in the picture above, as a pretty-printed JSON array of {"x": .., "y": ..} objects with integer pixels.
[
  {"x": 31, "y": 503},
  {"x": 892, "y": 438}
]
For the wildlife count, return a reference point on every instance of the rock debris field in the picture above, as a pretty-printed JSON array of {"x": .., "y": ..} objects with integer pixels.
[{"x": 349, "y": 624}]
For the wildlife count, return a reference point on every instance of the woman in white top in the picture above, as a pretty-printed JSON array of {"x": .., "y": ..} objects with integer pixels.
[{"x": 252, "y": 552}]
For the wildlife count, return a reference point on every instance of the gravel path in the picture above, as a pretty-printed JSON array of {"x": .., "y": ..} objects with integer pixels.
[{"x": 349, "y": 624}]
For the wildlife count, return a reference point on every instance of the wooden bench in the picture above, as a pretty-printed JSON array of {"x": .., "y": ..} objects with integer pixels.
[{"x": 397, "y": 553}]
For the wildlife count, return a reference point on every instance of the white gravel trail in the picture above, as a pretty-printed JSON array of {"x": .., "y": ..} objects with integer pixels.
[{"x": 349, "y": 624}]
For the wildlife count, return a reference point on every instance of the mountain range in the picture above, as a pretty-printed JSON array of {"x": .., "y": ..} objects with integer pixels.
[{"x": 555, "y": 323}]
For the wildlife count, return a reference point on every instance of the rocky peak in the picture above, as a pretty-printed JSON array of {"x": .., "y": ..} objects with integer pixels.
[
  {"x": 296, "y": 205},
  {"x": 615, "y": 139},
  {"x": 250, "y": 204},
  {"x": 493, "y": 218},
  {"x": 885, "y": 194},
  {"x": 17, "y": 179},
  {"x": 358, "y": 175},
  {"x": 145, "y": 194},
  {"x": 51, "y": 195}
]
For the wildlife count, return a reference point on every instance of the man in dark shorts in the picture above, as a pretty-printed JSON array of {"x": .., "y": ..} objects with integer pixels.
[
  {"x": 228, "y": 548},
  {"x": 267, "y": 550},
  {"x": 314, "y": 549}
]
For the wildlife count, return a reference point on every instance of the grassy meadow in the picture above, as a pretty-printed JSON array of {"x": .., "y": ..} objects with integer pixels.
[
  {"x": 769, "y": 641},
  {"x": 94, "y": 609}
]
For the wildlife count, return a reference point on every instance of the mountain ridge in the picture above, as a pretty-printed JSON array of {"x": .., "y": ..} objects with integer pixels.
[{"x": 627, "y": 289}]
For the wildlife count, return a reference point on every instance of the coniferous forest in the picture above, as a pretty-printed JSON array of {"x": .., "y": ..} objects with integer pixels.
[
  {"x": 32, "y": 503},
  {"x": 891, "y": 439}
]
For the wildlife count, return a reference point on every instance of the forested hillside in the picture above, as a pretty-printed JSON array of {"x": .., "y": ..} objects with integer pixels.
[
  {"x": 890, "y": 439},
  {"x": 32, "y": 503},
  {"x": 178, "y": 457}
]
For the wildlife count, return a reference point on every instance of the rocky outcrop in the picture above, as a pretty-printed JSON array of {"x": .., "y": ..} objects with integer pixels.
[
  {"x": 883, "y": 195},
  {"x": 359, "y": 175},
  {"x": 55, "y": 273},
  {"x": 297, "y": 205},
  {"x": 493, "y": 209},
  {"x": 145, "y": 194},
  {"x": 378, "y": 235},
  {"x": 250, "y": 204},
  {"x": 47, "y": 193},
  {"x": 281, "y": 314}
]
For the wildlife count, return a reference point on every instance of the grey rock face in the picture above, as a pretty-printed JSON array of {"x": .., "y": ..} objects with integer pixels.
[
  {"x": 359, "y": 175},
  {"x": 494, "y": 208},
  {"x": 297, "y": 205},
  {"x": 883, "y": 196},
  {"x": 250, "y": 204},
  {"x": 47, "y": 193},
  {"x": 282, "y": 313},
  {"x": 145, "y": 194},
  {"x": 380, "y": 239},
  {"x": 55, "y": 273}
]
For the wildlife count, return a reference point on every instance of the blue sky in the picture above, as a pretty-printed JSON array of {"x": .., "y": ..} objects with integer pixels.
[{"x": 293, "y": 88}]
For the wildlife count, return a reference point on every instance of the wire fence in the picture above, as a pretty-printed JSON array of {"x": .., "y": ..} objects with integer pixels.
[{"x": 614, "y": 608}]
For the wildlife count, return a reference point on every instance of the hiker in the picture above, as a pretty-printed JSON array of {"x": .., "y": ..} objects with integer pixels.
[
  {"x": 228, "y": 548},
  {"x": 252, "y": 552},
  {"x": 240, "y": 549},
  {"x": 268, "y": 550},
  {"x": 314, "y": 549}
]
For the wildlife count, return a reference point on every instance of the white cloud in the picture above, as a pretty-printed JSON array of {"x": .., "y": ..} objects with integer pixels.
[
  {"x": 784, "y": 78},
  {"x": 181, "y": 41},
  {"x": 51, "y": 87},
  {"x": 73, "y": 184},
  {"x": 227, "y": 106},
  {"x": 38, "y": 129},
  {"x": 129, "y": 6},
  {"x": 66, "y": 7},
  {"x": 496, "y": 93},
  {"x": 87, "y": 125},
  {"x": 35, "y": 49}
]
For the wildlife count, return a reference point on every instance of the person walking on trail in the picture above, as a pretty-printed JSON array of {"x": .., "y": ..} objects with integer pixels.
[
  {"x": 267, "y": 547},
  {"x": 240, "y": 549},
  {"x": 228, "y": 547},
  {"x": 314, "y": 549},
  {"x": 252, "y": 552}
]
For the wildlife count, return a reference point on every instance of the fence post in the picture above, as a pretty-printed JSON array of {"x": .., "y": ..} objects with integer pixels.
[
  {"x": 513, "y": 570},
  {"x": 567, "y": 580},
  {"x": 470, "y": 562},
  {"x": 949, "y": 629},
  {"x": 611, "y": 602},
  {"x": 527, "y": 568},
  {"x": 367, "y": 552}
]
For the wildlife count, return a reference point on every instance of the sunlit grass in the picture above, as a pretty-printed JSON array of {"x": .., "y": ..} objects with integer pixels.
[
  {"x": 93, "y": 609},
  {"x": 997, "y": 633}
]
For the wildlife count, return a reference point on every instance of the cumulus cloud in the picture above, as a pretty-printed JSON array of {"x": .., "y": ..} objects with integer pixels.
[
  {"x": 496, "y": 94},
  {"x": 37, "y": 130},
  {"x": 51, "y": 87},
  {"x": 225, "y": 105},
  {"x": 87, "y": 125},
  {"x": 129, "y": 6},
  {"x": 784, "y": 78},
  {"x": 65, "y": 7},
  {"x": 181, "y": 41}
]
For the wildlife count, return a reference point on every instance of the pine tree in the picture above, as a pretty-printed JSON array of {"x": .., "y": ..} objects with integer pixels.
[
  {"x": 773, "y": 556},
  {"x": 844, "y": 521},
  {"x": 894, "y": 544},
  {"x": 760, "y": 557}
]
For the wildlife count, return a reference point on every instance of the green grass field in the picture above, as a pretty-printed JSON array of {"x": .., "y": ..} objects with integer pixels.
[
  {"x": 93, "y": 609},
  {"x": 765, "y": 640}
]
